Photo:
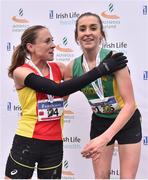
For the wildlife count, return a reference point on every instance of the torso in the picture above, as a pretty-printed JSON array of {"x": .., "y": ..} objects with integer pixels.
[
  {"x": 106, "y": 107},
  {"x": 37, "y": 121}
]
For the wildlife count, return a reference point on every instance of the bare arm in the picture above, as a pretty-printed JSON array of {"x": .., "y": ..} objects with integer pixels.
[
  {"x": 97, "y": 145},
  {"x": 68, "y": 71},
  {"x": 62, "y": 67},
  {"x": 68, "y": 74},
  {"x": 19, "y": 76},
  {"x": 126, "y": 92}
]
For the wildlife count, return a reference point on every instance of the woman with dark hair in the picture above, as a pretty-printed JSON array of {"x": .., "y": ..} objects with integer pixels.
[{"x": 115, "y": 116}]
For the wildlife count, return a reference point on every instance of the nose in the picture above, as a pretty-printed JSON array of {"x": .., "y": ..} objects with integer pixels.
[
  {"x": 88, "y": 31},
  {"x": 53, "y": 45}
]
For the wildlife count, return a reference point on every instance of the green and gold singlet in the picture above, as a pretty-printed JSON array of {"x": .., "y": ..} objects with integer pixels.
[{"x": 112, "y": 102}]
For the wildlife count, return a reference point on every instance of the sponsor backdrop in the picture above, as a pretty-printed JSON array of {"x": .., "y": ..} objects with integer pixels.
[{"x": 126, "y": 27}]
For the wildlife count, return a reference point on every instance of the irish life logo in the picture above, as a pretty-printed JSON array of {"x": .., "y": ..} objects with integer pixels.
[
  {"x": 145, "y": 75},
  {"x": 145, "y": 10}
]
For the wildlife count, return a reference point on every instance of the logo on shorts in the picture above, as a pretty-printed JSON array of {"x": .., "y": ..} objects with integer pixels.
[{"x": 14, "y": 172}]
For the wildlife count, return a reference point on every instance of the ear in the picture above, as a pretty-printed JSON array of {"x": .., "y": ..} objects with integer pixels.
[
  {"x": 29, "y": 47},
  {"x": 101, "y": 38},
  {"x": 78, "y": 42}
]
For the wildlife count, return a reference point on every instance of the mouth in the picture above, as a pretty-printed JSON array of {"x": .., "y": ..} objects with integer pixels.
[
  {"x": 88, "y": 41},
  {"x": 51, "y": 53}
]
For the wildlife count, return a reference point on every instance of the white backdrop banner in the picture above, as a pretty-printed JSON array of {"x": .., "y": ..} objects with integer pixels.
[{"x": 126, "y": 27}]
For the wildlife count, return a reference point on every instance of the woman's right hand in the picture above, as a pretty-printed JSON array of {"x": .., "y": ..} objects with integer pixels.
[{"x": 95, "y": 147}]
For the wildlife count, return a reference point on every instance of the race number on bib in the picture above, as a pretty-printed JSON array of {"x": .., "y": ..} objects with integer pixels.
[
  {"x": 108, "y": 105},
  {"x": 48, "y": 111}
]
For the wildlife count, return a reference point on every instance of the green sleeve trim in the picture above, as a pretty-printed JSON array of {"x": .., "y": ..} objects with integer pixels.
[
  {"x": 77, "y": 69},
  {"x": 104, "y": 53}
]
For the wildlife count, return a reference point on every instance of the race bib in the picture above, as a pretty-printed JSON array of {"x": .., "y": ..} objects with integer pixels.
[
  {"x": 49, "y": 111},
  {"x": 108, "y": 105}
]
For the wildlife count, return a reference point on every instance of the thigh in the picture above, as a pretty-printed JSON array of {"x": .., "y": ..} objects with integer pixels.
[
  {"x": 50, "y": 165},
  {"x": 16, "y": 171},
  {"x": 51, "y": 173},
  {"x": 20, "y": 163},
  {"x": 129, "y": 143},
  {"x": 131, "y": 132},
  {"x": 99, "y": 125},
  {"x": 23, "y": 151},
  {"x": 129, "y": 155},
  {"x": 102, "y": 165}
]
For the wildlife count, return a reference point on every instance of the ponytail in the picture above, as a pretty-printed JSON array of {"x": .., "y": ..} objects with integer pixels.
[{"x": 18, "y": 59}]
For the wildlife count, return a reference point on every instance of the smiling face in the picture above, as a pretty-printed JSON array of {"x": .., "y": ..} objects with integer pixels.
[
  {"x": 43, "y": 47},
  {"x": 89, "y": 33}
]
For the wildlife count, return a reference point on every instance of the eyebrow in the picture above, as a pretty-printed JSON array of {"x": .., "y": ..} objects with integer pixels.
[
  {"x": 89, "y": 25},
  {"x": 48, "y": 39}
]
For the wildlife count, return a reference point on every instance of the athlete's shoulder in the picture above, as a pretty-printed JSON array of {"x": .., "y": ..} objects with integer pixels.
[
  {"x": 104, "y": 52},
  {"x": 57, "y": 67},
  {"x": 78, "y": 58}
]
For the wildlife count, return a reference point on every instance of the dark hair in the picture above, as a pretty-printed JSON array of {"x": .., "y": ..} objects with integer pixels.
[
  {"x": 20, "y": 52},
  {"x": 89, "y": 14}
]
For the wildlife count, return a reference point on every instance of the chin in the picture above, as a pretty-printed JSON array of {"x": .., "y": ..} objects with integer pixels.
[
  {"x": 88, "y": 46},
  {"x": 50, "y": 59}
]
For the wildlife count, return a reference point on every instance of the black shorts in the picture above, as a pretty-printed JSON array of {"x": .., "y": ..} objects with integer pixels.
[
  {"x": 130, "y": 133},
  {"x": 27, "y": 152}
]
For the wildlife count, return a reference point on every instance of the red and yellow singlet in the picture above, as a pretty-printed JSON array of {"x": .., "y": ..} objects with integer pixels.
[{"x": 41, "y": 119}]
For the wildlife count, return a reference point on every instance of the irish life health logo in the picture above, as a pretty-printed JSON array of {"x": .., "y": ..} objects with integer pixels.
[
  {"x": 145, "y": 75},
  {"x": 19, "y": 18},
  {"x": 50, "y": 14},
  {"x": 145, "y": 10},
  {"x": 109, "y": 14},
  {"x": 63, "y": 52},
  {"x": 10, "y": 47},
  {"x": 20, "y": 23},
  {"x": 63, "y": 15},
  {"x": 111, "y": 19},
  {"x": 145, "y": 140},
  {"x": 9, "y": 106},
  {"x": 64, "y": 48},
  {"x": 66, "y": 173}
]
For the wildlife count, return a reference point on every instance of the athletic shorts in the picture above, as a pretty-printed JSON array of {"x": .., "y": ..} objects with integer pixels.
[
  {"x": 130, "y": 133},
  {"x": 28, "y": 153}
]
